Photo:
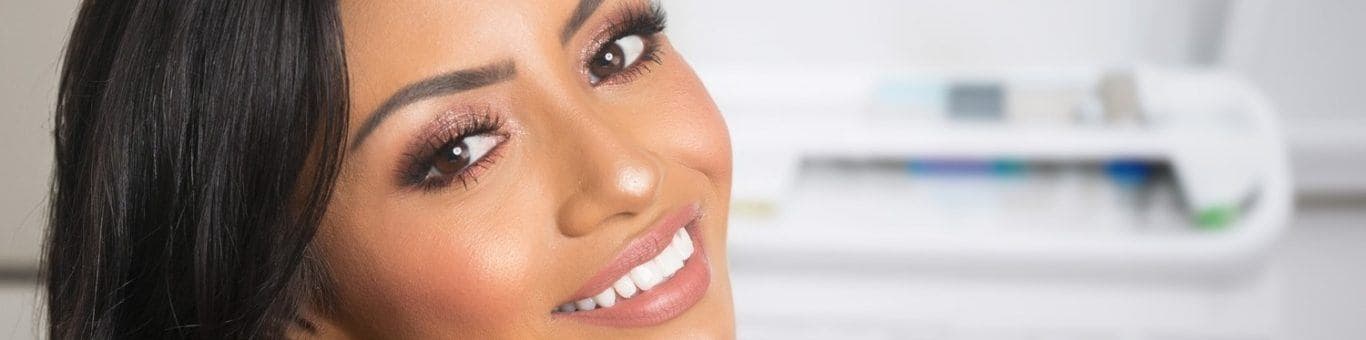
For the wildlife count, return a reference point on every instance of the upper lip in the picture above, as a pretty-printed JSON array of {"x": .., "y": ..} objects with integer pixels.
[{"x": 642, "y": 248}]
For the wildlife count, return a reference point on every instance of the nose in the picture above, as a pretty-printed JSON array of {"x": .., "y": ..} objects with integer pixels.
[{"x": 614, "y": 179}]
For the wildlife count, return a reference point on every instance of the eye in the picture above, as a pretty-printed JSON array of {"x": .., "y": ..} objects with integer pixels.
[
  {"x": 458, "y": 155},
  {"x": 618, "y": 56}
]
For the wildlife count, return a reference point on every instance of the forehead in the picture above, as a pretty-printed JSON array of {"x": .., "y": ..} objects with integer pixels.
[
  {"x": 470, "y": 26},
  {"x": 390, "y": 43}
]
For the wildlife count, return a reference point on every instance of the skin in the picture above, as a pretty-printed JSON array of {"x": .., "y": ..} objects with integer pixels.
[{"x": 584, "y": 170}]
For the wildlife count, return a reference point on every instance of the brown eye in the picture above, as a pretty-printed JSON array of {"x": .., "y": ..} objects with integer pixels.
[
  {"x": 459, "y": 154},
  {"x": 452, "y": 158},
  {"x": 616, "y": 57}
]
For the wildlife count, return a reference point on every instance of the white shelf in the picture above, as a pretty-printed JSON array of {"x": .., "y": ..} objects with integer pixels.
[{"x": 770, "y": 149}]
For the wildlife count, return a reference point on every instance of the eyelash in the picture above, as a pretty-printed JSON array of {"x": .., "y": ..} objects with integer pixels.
[
  {"x": 421, "y": 157},
  {"x": 647, "y": 21}
]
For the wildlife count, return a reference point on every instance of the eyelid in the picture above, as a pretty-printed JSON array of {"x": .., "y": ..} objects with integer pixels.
[
  {"x": 647, "y": 20},
  {"x": 448, "y": 126},
  {"x": 467, "y": 176}
]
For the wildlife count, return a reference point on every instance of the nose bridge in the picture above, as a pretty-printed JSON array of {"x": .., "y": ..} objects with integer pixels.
[{"x": 612, "y": 175}]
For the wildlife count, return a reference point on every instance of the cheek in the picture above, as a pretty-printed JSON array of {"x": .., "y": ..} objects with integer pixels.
[{"x": 406, "y": 273}]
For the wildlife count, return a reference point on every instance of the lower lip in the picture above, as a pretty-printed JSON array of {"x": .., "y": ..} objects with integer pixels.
[{"x": 665, "y": 302}]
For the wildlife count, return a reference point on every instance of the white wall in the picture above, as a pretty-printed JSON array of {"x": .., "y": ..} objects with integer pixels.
[
  {"x": 930, "y": 33},
  {"x": 1305, "y": 53},
  {"x": 1308, "y": 56}
]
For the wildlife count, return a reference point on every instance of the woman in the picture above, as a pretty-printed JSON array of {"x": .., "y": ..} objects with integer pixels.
[{"x": 385, "y": 169}]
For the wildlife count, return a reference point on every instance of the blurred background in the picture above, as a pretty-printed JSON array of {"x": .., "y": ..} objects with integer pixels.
[{"x": 971, "y": 169}]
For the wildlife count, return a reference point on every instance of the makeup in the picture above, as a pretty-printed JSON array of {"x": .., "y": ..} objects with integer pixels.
[
  {"x": 977, "y": 101},
  {"x": 452, "y": 148},
  {"x": 1083, "y": 197},
  {"x": 626, "y": 47},
  {"x": 1118, "y": 93},
  {"x": 919, "y": 99},
  {"x": 657, "y": 277},
  {"x": 1044, "y": 100}
]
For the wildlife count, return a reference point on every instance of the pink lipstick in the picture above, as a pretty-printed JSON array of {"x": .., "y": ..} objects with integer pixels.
[{"x": 658, "y": 276}]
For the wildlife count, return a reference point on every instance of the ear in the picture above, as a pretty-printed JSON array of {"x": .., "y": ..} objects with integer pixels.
[
  {"x": 312, "y": 323},
  {"x": 315, "y": 314}
]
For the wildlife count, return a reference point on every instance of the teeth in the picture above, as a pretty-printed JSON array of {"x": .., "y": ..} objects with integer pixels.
[
  {"x": 684, "y": 241},
  {"x": 607, "y": 298},
  {"x": 660, "y": 267},
  {"x": 586, "y": 304},
  {"x": 644, "y": 277},
  {"x": 625, "y": 287},
  {"x": 669, "y": 261},
  {"x": 678, "y": 253}
]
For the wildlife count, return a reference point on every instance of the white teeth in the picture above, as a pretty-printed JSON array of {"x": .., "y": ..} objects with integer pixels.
[
  {"x": 677, "y": 250},
  {"x": 607, "y": 298},
  {"x": 659, "y": 267},
  {"x": 668, "y": 260},
  {"x": 586, "y": 304},
  {"x": 685, "y": 242},
  {"x": 625, "y": 287},
  {"x": 644, "y": 277},
  {"x": 678, "y": 264}
]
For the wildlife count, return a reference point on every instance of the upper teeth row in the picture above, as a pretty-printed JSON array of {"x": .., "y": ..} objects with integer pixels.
[{"x": 641, "y": 278}]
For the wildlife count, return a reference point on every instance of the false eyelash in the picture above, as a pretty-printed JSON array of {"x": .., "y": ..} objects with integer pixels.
[
  {"x": 639, "y": 19},
  {"x": 645, "y": 20},
  {"x": 418, "y": 160}
]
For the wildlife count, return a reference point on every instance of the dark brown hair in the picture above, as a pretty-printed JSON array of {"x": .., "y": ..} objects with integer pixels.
[{"x": 197, "y": 142}]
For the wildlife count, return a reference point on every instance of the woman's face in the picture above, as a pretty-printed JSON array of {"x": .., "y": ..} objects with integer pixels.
[{"x": 512, "y": 164}]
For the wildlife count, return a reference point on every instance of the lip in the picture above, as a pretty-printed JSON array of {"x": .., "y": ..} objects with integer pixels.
[{"x": 664, "y": 302}]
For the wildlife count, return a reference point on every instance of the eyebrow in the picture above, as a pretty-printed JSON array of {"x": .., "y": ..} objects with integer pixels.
[
  {"x": 581, "y": 15},
  {"x": 445, "y": 84}
]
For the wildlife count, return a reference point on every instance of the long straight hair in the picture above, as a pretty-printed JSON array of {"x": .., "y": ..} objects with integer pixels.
[{"x": 197, "y": 142}]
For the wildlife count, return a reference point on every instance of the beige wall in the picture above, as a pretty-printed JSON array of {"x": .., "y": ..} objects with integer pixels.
[{"x": 31, "y": 37}]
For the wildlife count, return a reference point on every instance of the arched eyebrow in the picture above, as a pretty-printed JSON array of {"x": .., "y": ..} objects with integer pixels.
[
  {"x": 464, "y": 80},
  {"x": 444, "y": 84},
  {"x": 581, "y": 14}
]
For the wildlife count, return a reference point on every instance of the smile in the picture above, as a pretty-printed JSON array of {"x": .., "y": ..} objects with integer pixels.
[{"x": 654, "y": 279}]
